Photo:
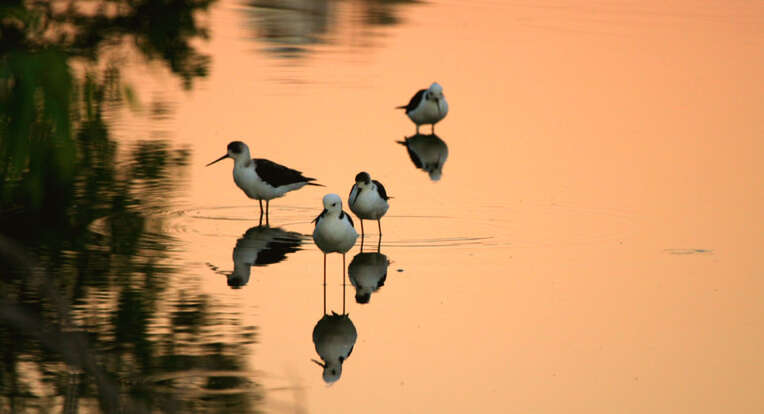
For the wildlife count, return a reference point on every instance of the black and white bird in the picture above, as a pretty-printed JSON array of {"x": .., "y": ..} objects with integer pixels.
[
  {"x": 427, "y": 106},
  {"x": 334, "y": 231},
  {"x": 262, "y": 179},
  {"x": 368, "y": 199}
]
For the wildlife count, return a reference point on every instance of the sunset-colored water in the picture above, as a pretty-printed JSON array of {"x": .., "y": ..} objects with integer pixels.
[{"x": 592, "y": 245}]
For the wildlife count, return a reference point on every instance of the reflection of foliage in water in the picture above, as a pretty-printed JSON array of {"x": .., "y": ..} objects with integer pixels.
[
  {"x": 292, "y": 25},
  {"x": 88, "y": 316}
]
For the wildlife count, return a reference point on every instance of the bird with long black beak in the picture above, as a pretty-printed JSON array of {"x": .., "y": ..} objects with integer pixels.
[
  {"x": 427, "y": 106},
  {"x": 262, "y": 179}
]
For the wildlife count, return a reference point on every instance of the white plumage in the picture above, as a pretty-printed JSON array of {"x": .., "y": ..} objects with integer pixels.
[
  {"x": 368, "y": 199},
  {"x": 427, "y": 106},
  {"x": 262, "y": 179},
  {"x": 334, "y": 231}
]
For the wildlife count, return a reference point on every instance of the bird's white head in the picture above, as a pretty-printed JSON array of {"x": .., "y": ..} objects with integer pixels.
[
  {"x": 332, "y": 203},
  {"x": 237, "y": 150},
  {"x": 436, "y": 91}
]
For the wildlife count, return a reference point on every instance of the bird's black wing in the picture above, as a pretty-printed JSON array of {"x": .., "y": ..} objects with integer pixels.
[
  {"x": 277, "y": 174},
  {"x": 350, "y": 219},
  {"x": 415, "y": 101},
  {"x": 351, "y": 194},
  {"x": 315, "y": 220},
  {"x": 381, "y": 190}
]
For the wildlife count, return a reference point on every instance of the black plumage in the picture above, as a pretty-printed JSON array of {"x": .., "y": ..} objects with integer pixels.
[
  {"x": 415, "y": 101},
  {"x": 278, "y": 175},
  {"x": 350, "y": 219},
  {"x": 381, "y": 190},
  {"x": 323, "y": 213}
]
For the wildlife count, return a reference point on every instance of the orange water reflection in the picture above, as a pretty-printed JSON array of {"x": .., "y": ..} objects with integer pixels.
[{"x": 589, "y": 143}]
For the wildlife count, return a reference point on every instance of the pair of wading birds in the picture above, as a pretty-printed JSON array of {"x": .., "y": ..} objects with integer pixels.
[{"x": 334, "y": 232}]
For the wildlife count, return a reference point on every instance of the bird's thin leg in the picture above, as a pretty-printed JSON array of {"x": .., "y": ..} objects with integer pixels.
[
  {"x": 417, "y": 129},
  {"x": 379, "y": 244},
  {"x": 361, "y": 242},
  {"x": 324, "y": 283},
  {"x": 432, "y": 131},
  {"x": 379, "y": 224},
  {"x": 261, "y": 212},
  {"x": 362, "y": 232},
  {"x": 343, "y": 284},
  {"x": 267, "y": 211}
]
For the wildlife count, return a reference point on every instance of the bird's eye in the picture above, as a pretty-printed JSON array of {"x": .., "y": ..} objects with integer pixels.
[{"x": 334, "y": 204}]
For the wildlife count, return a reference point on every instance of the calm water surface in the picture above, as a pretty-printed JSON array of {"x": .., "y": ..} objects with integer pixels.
[{"x": 582, "y": 234}]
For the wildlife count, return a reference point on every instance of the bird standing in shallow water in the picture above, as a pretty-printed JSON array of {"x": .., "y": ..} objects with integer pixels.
[
  {"x": 427, "y": 106},
  {"x": 368, "y": 200},
  {"x": 334, "y": 231},
  {"x": 262, "y": 179}
]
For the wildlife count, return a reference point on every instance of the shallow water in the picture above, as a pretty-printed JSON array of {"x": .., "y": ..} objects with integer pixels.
[{"x": 589, "y": 242}]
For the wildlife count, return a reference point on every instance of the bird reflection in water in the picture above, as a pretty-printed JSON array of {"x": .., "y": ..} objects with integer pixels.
[
  {"x": 427, "y": 152},
  {"x": 334, "y": 337},
  {"x": 260, "y": 246},
  {"x": 368, "y": 272}
]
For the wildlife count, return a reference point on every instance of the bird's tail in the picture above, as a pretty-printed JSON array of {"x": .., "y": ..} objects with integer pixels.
[
  {"x": 316, "y": 184},
  {"x": 401, "y": 107}
]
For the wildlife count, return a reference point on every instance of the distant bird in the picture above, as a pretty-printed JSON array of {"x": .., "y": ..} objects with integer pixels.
[
  {"x": 334, "y": 231},
  {"x": 368, "y": 199},
  {"x": 334, "y": 337},
  {"x": 428, "y": 153},
  {"x": 427, "y": 106},
  {"x": 262, "y": 179},
  {"x": 367, "y": 272},
  {"x": 260, "y": 246}
]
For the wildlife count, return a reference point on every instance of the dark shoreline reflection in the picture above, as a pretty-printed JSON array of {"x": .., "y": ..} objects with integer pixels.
[
  {"x": 260, "y": 246},
  {"x": 94, "y": 312},
  {"x": 292, "y": 26},
  {"x": 428, "y": 153}
]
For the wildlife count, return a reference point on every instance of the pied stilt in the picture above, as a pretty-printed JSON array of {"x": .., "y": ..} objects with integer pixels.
[
  {"x": 262, "y": 179},
  {"x": 427, "y": 106},
  {"x": 368, "y": 200}
]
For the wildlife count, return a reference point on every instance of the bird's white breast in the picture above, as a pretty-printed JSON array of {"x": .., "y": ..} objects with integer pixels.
[
  {"x": 368, "y": 204},
  {"x": 427, "y": 112},
  {"x": 334, "y": 235}
]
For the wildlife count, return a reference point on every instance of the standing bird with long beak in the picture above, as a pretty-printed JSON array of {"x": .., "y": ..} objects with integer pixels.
[
  {"x": 368, "y": 200},
  {"x": 427, "y": 106},
  {"x": 262, "y": 179},
  {"x": 334, "y": 231}
]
